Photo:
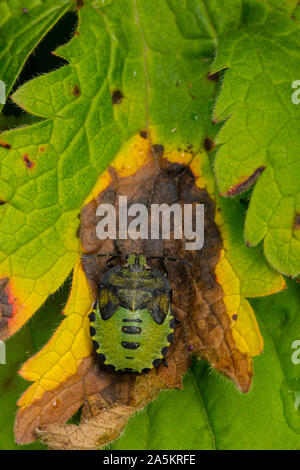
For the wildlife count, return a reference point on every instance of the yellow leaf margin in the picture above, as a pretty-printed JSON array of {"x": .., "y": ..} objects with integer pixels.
[{"x": 61, "y": 356}]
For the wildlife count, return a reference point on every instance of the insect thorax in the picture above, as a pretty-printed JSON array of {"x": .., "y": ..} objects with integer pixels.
[{"x": 133, "y": 323}]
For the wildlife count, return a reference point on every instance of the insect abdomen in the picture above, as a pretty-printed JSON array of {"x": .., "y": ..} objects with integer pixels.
[{"x": 131, "y": 340}]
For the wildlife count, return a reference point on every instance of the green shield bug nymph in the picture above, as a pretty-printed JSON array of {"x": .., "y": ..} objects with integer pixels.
[{"x": 132, "y": 324}]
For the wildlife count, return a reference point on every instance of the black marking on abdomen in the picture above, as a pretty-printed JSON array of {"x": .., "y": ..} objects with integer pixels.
[
  {"x": 156, "y": 362},
  {"x": 92, "y": 331},
  {"x": 130, "y": 345},
  {"x": 101, "y": 357},
  {"x": 170, "y": 337},
  {"x": 92, "y": 316},
  {"x": 132, "y": 330},
  {"x": 129, "y": 357},
  {"x": 136, "y": 320}
]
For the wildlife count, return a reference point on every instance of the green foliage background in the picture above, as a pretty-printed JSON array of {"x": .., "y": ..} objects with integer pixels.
[{"x": 209, "y": 413}]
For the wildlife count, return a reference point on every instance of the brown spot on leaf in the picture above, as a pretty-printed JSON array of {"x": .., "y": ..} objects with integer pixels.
[
  {"x": 234, "y": 317},
  {"x": 79, "y": 4},
  {"x": 2, "y": 202},
  {"x": 25, "y": 10},
  {"x": 213, "y": 77},
  {"x": 5, "y": 145},
  {"x": 9, "y": 382},
  {"x": 76, "y": 91},
  {"x": 143, "y": 134},
  {"x": 241, "y": 187},
  {"x": 117, "y": 97},
  {"x": 29, "y": 164},
  {"x": 158, "y": 150},
  {"x": 208, "y": 144},
  {"x": 297, "y": 222}
]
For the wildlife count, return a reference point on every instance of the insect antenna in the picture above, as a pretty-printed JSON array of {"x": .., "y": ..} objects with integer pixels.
[
  {"x": 111, "y": 257},
  {"x": 102, "y": 255},
  {"x": 179, "y": 260}
]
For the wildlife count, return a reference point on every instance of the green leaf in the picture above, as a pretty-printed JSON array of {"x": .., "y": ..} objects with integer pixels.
[
  {"x": 261, "y": 134},
  {"x": 282, "y": 321},
  {"x": 211, "y": 414},
  {"x": 21, "y": 29}
]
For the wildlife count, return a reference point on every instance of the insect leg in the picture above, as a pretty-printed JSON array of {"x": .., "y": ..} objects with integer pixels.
[
  {"x": 163, "y": 265},
  {"x": 117, "y": 247},
  {"x": 162, "y": 261}
]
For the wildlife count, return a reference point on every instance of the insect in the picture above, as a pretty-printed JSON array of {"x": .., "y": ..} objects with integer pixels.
[{"x": 132, "y": 325}]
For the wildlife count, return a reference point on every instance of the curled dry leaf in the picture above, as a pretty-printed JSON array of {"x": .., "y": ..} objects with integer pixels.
[{"x": 216, "y": 321}]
